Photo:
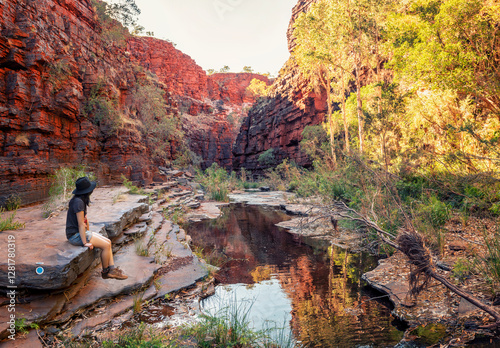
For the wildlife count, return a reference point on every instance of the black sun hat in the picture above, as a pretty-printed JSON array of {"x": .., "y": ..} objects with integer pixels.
[{"x": 83, "y": 186}]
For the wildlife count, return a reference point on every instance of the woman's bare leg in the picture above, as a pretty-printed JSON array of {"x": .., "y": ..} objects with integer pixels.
[{"x": 104, "y": 244}]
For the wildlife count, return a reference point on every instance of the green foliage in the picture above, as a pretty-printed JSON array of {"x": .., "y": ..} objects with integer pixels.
[
  {"x": 58, "y": 75},
  {"x": 159, "y": 128},
  {"x": 462, "y": 269},
  {"x": 258, "y": 88},
  {"x": 176, "y": 215},
  {"x": 247, "y": 69},
  {"x": 211, "y": 71},
  {"x": 132, "y": 189},
  {"x": 102, "y": 107},
  {"x": 13, "y": 202},
  {"x": 488, "y": 264},
  {"x": 315, "y": 142},
  {"x": 267, "y": 157},
  {"x": 449, "y": 44},
  {"x": 22, "y": 327},
  {"x": 114, "y": 18},
  {"x": 7, "y": 223},
  {"x": 217, "y": 182},
  {"x": 225, "y": 69},
  {"x": 139, "y": 337},
  {"x": 214, "y": 257},
  {"x": 63, "y": 181},
  {"x": 231, "y": 327},
  {"x": 140, "y": 248},
  {"x": 435, "y": 211}
]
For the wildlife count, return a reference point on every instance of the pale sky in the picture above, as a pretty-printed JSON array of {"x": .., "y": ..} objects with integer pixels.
[{"x": 215, "y": 33}]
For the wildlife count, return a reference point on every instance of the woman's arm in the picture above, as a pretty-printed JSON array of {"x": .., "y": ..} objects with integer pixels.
[{"x": 82, "y": 228}]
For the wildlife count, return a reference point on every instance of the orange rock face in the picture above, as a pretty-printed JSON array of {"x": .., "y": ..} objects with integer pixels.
[
  {"x": 52, "y": 57},
  {"x": 278, "y": 122},
  {"x": 212, "y": 107}
]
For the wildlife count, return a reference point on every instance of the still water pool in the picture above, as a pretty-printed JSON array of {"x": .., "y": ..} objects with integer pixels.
[{"x": 320, "y": 301}]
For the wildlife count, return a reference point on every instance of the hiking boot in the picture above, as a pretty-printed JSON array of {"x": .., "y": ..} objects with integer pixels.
[{"x": 114, "y": 273}]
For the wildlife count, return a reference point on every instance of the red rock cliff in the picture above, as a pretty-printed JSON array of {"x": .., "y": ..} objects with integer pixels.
[
  {"x": 211, "y": 107},
  {"x": 278, "y": 121},
  {"x": 52, "y": 56}
]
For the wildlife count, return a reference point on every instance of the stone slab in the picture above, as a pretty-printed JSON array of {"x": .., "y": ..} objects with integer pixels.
[
  {"x": 140, "y": 271},
  {"x": 207, "y": 210},
  {"x": 42, "y": 243},
  {"x": 29, "y": 340},
  {"x": 115, "y": 309},
  {"x": 273, "y": 198},
  {"x": 397, "y": 290},
  {"x": 181, "y": 277}
]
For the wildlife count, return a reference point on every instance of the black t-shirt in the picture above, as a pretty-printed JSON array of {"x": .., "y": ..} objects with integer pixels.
[{"x": 76, "y": 205}]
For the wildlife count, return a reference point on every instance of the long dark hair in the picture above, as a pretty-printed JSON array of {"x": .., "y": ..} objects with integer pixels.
[{"x": 85, "y": 198}]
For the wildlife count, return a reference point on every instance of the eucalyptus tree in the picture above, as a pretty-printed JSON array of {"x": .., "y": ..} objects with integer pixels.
[
  {"x": 335, "y": 42},
  {"x": 450, "y": 44},
  {"x": 321, "y": 55}
]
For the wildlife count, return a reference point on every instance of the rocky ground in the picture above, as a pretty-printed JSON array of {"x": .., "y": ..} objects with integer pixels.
[{"x": 70, "y": 299}]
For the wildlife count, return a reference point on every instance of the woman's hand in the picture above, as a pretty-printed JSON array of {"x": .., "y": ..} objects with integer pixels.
[{"x": 89, "y": 245}]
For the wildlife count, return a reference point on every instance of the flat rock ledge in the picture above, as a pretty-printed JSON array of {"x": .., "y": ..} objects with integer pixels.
[
  {"x": 158, "y": 261},
  {"x": 436, "y": 304},
  {"x": 42, "y": 242}
]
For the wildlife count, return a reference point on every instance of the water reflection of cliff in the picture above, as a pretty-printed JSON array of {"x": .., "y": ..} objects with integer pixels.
[{"x": 329, "y": 308}]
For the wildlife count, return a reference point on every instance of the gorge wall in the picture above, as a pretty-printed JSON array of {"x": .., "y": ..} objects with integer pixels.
[
  {"x": 211, "y": 107},
  {"x": 52, "y": 59},
  {"x": 278, "y": 120}
]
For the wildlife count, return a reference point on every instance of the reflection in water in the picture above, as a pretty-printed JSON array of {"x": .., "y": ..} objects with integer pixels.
[{"x": 321, "y": 298}]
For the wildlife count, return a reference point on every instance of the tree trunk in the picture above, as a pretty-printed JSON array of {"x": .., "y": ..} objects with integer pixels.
[
  {"x": 359, "y": 108},
  {"x": 332, "y": 131},
  {"x": 344, "y": 117}
]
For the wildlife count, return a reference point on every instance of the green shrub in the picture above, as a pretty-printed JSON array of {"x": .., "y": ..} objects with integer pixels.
[
  {"x": 64, "y": 178},
  {"x": 138, "y": 337},
  {"x": 217, "y": 182},
  {"x": 58, "y": 74},
  {"x": 102, "y": 107},
  {"x": 159, "y": 128},
  {"x": 114, "y": 18},
  {"x": 132, "y": 189},
  {"x": 7, "y": 223},
  {"x": 13, "y": 202},
  {"x": 267, "y": 157},
  {"x": 462, "y": 269},
  {"x": 488, "y": 264},
  {"x": 435, "y": 211}
]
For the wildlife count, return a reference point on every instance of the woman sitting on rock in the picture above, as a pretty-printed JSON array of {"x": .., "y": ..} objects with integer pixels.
[{"x": 77, "y": 229}]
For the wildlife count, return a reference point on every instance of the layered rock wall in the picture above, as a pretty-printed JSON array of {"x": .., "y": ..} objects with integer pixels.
[
  {"x": 211, "y": 107},
  {"x": 277, "y": 122},
  {"x": 50, "y": 56},
  {"x": 301, "y": 7},
  {"x": 52, "y": 59}
]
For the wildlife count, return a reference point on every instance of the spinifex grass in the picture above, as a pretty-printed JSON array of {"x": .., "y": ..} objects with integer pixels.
[{"x": 8, "y": 223}]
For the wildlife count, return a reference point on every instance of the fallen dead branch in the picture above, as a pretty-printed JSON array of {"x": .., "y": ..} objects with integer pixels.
[{"x": 412, "y": 244}]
